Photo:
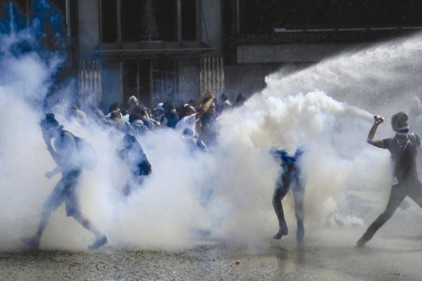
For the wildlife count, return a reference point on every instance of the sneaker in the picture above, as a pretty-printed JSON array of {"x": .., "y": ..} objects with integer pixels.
[
  {"x": 32, "y": 241},
  {"x": 98, "y": 243},
  {"x": 281, "y": 232}
]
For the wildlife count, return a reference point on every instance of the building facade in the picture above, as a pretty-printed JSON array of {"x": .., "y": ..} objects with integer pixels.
[
  {"x": 174, "y": 50},
  {"x": 263, "y": 36},
  {"x": 155, "y": 50}
]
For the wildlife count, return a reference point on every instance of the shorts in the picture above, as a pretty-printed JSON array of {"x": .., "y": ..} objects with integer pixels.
[{"x": 65, "y": 192}]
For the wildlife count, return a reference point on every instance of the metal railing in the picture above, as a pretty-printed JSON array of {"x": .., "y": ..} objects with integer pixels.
[
  {"x": 89, "y": 83},
  {"x": 211, "y": 76}
]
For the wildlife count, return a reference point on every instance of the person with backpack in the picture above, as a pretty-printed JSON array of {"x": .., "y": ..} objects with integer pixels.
[
  {"x": 403, "y": 148},
  {"x": 132, "y": 153},
  {"x": 62, "y": 146}
]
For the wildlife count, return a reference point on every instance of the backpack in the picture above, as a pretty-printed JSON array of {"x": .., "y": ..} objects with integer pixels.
[{"x": 86, "y": 153}]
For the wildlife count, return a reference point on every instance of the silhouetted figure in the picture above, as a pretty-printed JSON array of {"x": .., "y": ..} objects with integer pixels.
[
  {"x": 403, "y": 148},
  {"x": 130, "y": 150},
  {"x": 224, "y": 103},
  {"x": 170, "y": 116},
  {"x": 77, "y": 114},
  {"x": 289, "y": 178},
  {"x": 240, "y": 99},
  {"x": 207, "y": 118},
  {"x": 65, "y": 154}
]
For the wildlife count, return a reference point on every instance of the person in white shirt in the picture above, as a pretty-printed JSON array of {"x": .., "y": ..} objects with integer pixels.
[{"x": 189, "y": 121}]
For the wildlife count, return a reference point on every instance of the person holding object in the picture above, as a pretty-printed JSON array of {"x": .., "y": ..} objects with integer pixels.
[
  {"x": 403, "y": 148},
  {"x": 66, "y": 156}
]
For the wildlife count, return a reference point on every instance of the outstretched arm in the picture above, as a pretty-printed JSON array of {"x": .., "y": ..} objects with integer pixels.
[
  {"x": 53, "y": 172},
  {"x": 204, "y": 108},
  {"x": 371, "y": 135}
]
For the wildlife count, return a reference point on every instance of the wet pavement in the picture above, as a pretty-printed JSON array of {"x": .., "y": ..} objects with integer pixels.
[{"x": 328, "y": 254}]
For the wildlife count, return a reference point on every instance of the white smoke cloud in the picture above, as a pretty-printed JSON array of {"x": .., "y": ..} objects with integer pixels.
[{"x": 326, "y": 108}]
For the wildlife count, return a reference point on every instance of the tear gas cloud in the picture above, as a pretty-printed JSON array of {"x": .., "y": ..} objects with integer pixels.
[{"x": 327, "y": 109}]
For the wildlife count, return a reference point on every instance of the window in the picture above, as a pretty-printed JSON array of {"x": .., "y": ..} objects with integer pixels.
[
  {"x": 163, "y": 79},
  {"x": 138, "y": 76},
  {"x": 166, "y": 16},
  {"x": 130, "y": 79},
  {"x": 188, "y": 20},
  {"x": 257, "y": 16},
  {"x": 109, "y": 21},
  {"x": 131, "y": 20},
  {"x": 145, "y": 20},
  {"x": 53, "y": 14},
  {"x": 23, "y": 6},
  {"x": 149, "y": 23},
  {"x": 18, "y": 13},
  {"x": 50, "y": 14}
]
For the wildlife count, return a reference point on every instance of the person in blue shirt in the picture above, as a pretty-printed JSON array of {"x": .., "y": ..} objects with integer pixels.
[{"x": 289, "y": 177}]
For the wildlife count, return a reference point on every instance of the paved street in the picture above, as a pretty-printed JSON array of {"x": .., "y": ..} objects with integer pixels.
[{"x": 328, "y": 254}]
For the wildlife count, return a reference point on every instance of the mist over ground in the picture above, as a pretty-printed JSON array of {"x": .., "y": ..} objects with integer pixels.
[{"x": 327, "y": 109}]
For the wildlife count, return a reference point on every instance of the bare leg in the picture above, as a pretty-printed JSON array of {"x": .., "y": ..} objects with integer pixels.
[
  {"x": 73, "y": 209},
  {"x": 282, "y": 187},
  {"x": 86, "y": 223},
  {"x": 298, "y": 197},
  {"x": 51, "y": 204},
  {"x": 100, "y": 238},
  {"x": 415, "y": 192},
  {"x": 396, "y": 197},
  {"x": 45, "y": 217}
]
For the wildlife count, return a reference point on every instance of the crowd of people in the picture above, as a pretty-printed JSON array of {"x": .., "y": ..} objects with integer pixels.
[
  {"x": 193, "y": 119},
  {"x": 195, "y": 124}
]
